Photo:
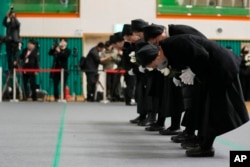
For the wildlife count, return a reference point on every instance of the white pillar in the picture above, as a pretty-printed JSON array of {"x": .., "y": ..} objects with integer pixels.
[
  {"x": 14, "y": 86},
  {"x": 62, "y": 87}
]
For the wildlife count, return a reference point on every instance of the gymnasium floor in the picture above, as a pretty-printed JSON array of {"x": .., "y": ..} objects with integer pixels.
[{"x": 77, "y": 134}]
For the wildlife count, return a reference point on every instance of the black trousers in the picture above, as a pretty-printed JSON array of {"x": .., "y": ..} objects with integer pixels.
[
  {"x": 113, "y": 86},
  {"x": 29, "y": 78},
  {"x": 57, "y": 81},
  {"x": 11, "y": 53},
  {"x": 130, "y": 88},
  {"x": 144, "y": 100},
  {"x": 171, "y": 104},
  {"x": 92, "y": 79}
]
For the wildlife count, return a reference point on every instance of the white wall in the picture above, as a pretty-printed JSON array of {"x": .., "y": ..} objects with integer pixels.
[{"x": 99, "y": 16}]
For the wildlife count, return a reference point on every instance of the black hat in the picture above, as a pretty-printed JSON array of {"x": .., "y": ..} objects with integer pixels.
[
  {"x": 112, "y": 39},
  {"x": 138, "y": 25},
  {"x": 147, "y": 54},
  {"x": 118, "y": 37},
  {"x": 126, "y": 30},
  {"x": 152, "y": 31}
]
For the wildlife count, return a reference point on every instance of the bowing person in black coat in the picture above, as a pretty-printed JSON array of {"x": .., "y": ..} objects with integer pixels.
[
  {"x": 30, "y": 60},
  {"x": 221, "y": 106},
  {"x": 130, "y": 80},
  {"x": 175, "y": 96}
]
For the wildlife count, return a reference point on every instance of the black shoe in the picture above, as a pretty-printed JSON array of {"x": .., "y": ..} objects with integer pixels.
[
  {"x": 183, "y": 137},
  {"x": 154, "y": 127},
  {"x": 170, "y": 131},
  {"x": 190, "y": 145},
  {"x": 135, "y": 121},
  {"x": 130, "y": 104},
  {"x": 143, "y": 122},
  {"x": 200, "y": 152}
]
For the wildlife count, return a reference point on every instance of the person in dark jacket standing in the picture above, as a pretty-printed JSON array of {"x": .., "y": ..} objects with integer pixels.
[
  {"x": 30, "y": 60},
  {"x": 61, "y": 54},
  {"x": 245, "y": 71},
  {"x": 217, "y": 70},
  {"x": 12, "y": 38},
  {"x": 93, "y": 60}
]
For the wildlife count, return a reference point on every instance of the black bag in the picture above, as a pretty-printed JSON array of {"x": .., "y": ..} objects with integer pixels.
[{"x": 82, "y": 63}]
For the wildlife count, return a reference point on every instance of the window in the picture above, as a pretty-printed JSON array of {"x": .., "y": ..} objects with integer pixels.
[
  {"x": 45, "y": 7},
  {"x": 238, "y": 9}
]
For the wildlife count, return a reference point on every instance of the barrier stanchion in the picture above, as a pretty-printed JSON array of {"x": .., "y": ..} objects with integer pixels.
[
  {"x": 104, "y": 100},
  {"x": 62, "y": 87},
  {"x": 14, "y": 86},
  {"x": 105, "y": 82},
  {"x": 1, "y": 75}
]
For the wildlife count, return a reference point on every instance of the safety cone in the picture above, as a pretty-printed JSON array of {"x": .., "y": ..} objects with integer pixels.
[{"x": 67, "y": 93}]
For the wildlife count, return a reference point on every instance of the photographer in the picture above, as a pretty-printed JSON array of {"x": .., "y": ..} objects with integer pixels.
[
  {"x": 12, "y": 38},
  {"x": 61, "y": 54}
]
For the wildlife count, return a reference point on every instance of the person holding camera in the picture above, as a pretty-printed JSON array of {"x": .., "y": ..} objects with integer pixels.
[
  {"x": 12, "y": 38},
  {"x": 30, "y": 60},
  {"x": 60, "y": 54}
]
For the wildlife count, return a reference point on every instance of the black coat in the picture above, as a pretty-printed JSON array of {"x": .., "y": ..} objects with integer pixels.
[
  {"x": 127, "y": 50},
  {"x": 221, "y": 106},
  {"x": 31, "y": 61},
  {"x": 61, "y": 58},
  {"x": 183, "y": 29},
  {"x": 92, "y": 60},
  {"x": 12, "y": 29}
]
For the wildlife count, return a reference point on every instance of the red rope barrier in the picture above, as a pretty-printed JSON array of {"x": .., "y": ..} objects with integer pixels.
[
  {"x": 37, "y": 70},
  {"x": 115, "y": 71}
]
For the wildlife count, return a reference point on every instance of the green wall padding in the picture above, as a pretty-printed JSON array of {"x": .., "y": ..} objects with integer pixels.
[{"x": 235, "y": 45}]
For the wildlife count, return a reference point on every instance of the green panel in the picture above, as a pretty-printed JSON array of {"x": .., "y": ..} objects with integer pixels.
[
  {"x": 45, "y": 6},
  {"x": 74, "y": 77},
  {"x": 172, "y": 7},
  {"x": 235, "y": 45}
]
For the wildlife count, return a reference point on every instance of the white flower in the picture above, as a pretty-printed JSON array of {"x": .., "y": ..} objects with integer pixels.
[
  {"x": 165, "y": 71},
  {"x": 132, "y": 54},
  {"x": 149, "y": 68},
  {"x": 247, "y": 57},
  {"x": 133, "y": 59}
]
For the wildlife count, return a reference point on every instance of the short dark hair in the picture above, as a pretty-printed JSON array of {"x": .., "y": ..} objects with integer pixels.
[
  {"x": 32, "y": 41},
  {"x": 65, "y": 39},
  {"x": 101, "y": 45}
]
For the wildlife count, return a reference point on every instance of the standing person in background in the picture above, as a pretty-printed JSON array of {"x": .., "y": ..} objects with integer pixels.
[
  {"x": 107, "y": 65},
  {"x": 93, "y": 60},
  {"x": 12, "y": 37},
  {"x": 118, "y": 43},
  {"x": 110, "y": 65},
  {"x": 30, "y": 60},
  {"x": 61, "y": 54},
  {"x": 245, "y": 71}
]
